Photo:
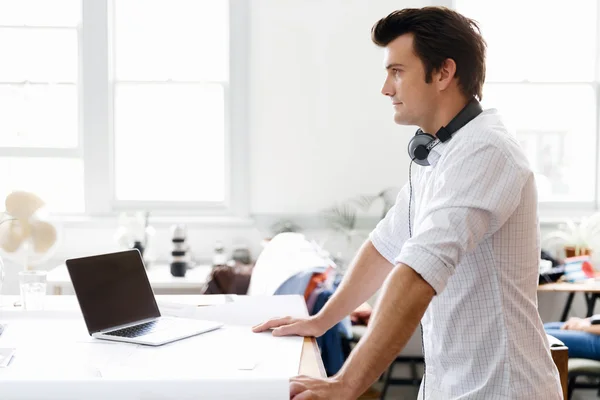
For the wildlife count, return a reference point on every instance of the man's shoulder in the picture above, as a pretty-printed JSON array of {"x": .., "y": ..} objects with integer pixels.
[
  {"x": 489, "y": 131},
  {"x": 489, "y": 128}
]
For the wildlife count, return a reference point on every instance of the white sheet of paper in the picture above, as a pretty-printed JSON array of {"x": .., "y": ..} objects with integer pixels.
[
  {"x": 5, "y": 356},
  {"x": 176, "y": 309},
  {"x": 253, "y": 310}
]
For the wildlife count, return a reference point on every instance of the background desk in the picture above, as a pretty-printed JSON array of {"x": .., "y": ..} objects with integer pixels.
[
  {"x": 161, "y": 280},
  {"x": 590, "y": 289}
]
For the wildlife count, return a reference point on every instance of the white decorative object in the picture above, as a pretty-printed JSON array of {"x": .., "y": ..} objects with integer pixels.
[
  {"x": 180, "y": 258},
  {"x": 26, "y": 235},
  {"x": 134, "y": 231},
  {"x": 1, "y": 274}
]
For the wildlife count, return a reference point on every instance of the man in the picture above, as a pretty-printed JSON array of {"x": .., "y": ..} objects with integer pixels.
[{"x": 459, "y": 251}]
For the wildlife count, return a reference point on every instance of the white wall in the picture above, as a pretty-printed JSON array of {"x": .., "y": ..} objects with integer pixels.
[{"x": 321, "y": 131}]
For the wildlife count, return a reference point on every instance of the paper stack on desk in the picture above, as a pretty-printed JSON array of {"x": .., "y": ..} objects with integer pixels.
[
  {"x": 244, "y": 310},
  {"x": 56, "y": 359}
]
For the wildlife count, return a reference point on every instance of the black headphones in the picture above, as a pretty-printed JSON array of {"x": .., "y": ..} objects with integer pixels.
[{"x": 422, "y": 143}]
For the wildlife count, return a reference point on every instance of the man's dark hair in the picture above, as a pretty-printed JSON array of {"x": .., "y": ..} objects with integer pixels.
[{"x": 438, "y": 34}]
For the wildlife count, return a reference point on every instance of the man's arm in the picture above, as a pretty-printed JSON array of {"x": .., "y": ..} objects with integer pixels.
[
  {"x": 595, "y": 329},
  {"x": 402, "y": 303},
  {"x": 367, "y": 273},
  {"x": 365, "y": 276}
]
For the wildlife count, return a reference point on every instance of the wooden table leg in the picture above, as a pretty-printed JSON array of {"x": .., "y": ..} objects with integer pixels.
[{"x": 560, "y": 356}]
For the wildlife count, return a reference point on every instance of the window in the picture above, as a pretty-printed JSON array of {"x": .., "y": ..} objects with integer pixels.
[
  {"x": 40, "y": 147},
  {"x": 542, "y": 75},
  {"x": 122, "y": 104},
  {"x": 171, "y": 74}
]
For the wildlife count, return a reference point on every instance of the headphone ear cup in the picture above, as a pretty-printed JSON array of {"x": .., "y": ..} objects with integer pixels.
[{"x": 417, "y": 147}]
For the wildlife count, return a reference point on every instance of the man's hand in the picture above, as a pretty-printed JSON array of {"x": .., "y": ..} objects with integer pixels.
[
  {"x": 307, "y": 388},
  {"x": 361, "y": 315},
  {"x": 576, "y": 324},
  {"x": 293, "y": 326}
]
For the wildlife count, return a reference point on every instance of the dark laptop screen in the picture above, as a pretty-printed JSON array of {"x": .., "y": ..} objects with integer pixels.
[{"x": 112, "y": 289}]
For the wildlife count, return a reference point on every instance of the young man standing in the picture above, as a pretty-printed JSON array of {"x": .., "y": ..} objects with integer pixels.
[{"x": 459, "y": 251}]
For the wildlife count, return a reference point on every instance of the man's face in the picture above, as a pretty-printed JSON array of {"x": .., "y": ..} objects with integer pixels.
[{"x": 413, "y": 99}]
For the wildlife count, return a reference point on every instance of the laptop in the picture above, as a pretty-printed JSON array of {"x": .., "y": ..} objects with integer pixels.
[{"x": 117, "y": 301}]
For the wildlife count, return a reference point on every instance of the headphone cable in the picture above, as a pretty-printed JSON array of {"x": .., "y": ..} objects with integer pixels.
[{"x": 410, "y": 236}]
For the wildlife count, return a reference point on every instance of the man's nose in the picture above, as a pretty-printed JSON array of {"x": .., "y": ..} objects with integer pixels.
[{"x": 388, "y": 89}]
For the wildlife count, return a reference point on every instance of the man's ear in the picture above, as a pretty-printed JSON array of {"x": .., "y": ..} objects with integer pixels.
[{"x": 446, "y": 73}]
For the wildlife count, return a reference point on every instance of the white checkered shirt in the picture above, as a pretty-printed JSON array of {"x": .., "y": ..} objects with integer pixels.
[{"x": 476, "y": 241}]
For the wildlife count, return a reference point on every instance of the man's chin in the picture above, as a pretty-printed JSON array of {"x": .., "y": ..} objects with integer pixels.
[{"x": 401, "y": 119}]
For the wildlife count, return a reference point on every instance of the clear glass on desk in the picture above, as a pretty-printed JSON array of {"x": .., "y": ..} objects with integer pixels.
[
  {"x": 1, "y": 275},
  {"x": 33, "y": 289}
]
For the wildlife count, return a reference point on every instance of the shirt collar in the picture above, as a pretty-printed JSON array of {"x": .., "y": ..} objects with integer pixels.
[{"x": 436, "y": 152}]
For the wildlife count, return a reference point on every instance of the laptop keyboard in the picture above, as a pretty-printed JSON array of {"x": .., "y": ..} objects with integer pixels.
[{"x": 142, "y": 329}]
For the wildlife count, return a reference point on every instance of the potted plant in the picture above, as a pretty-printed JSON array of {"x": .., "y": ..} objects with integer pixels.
[
  {"x": 576, "y": 239},
  {"x": 342, "y": 220}
]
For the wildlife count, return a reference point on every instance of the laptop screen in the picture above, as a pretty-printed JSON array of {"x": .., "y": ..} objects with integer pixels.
[{"x": 112, "y": 289}]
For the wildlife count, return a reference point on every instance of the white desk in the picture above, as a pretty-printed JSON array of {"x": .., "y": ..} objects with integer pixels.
[
  {"x": 160, "y": 277},
  {"x": 270, "y": 384}
]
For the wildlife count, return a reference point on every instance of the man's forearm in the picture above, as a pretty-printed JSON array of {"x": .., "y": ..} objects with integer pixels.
[
  {"x": 366, "y": 275},
  {"x": 401, "y": 306},
  {"x": 595, "y": 329}
]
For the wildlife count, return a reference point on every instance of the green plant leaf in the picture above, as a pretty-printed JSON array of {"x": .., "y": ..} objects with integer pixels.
[
  {"x": 341, "y": 217},
  {"x": 364, "y": 202}
]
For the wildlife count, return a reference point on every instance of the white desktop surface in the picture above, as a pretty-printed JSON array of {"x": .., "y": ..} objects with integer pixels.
[{"x": 57, "y": 359}]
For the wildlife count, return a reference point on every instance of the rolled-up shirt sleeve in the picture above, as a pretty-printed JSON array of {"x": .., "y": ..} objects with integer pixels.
[{"x": 472, "y": 197}]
